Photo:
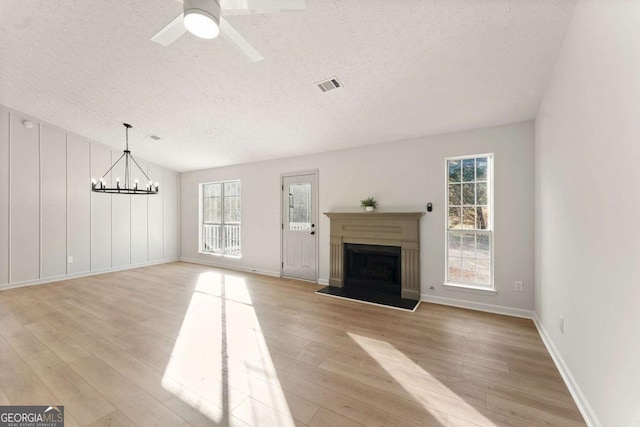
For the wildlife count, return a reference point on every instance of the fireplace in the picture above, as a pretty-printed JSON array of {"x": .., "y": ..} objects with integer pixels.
[
  {"x": 373, "y": 268},
  {"x": 365, "y": 231}
]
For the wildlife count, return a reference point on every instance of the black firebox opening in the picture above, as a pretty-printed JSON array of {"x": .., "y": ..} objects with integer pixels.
[{"x": 372, "y": 268}]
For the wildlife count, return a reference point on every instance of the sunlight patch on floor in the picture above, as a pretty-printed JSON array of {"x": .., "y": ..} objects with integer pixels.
[
  {"x": 421, "y": 386},
  {"x": 220, "y": 363}
]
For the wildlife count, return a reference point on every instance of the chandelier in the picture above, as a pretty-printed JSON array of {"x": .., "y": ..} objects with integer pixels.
[{"x": 127, "y": 187}]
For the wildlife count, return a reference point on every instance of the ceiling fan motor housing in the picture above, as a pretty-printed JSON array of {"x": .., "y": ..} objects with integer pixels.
[{"x": 202, "y": 8}]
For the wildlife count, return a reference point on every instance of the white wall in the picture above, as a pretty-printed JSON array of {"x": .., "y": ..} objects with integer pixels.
[
  {"x": 588, "y": 209},
  {"x": 401, "y": 176},
  {"x": 47, "y": 211}
]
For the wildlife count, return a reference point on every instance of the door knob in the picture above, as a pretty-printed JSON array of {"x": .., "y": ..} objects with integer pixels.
[{"x": 313, "y": 232}]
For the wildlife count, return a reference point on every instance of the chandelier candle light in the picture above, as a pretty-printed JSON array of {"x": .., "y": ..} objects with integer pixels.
[{"x": 127, "y": 188}]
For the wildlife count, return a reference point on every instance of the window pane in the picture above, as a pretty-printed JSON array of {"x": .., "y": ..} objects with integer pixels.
[
  {"x": 454, "y": 171},
  {"x": 455, "y": 245},
  {"x": 468, "y": 270},
  {"x": 469, "y": 218},
  {"x": 217, "y": 209},
  {"x": 212, "y": 238},
  {"x": 468, "y": 191},
  {"x": 213, "y": 209},
  {"x": 468, "y": 166},
  {"x": 469, "y": 245},
  {"x": 483, "y": 246},
  {"x": 232, "y": 239},
  {"x": 481, "y": 169},
  {"x": 231, "y": 209},
  {"x": 212, "y": 190},
  {"x": 481, "y": 193},
  {"x": 455, "y": 269},
  {"x": 483, "y": 271},
  {"x": 454, "y": 218},
  {"x": 454, "y": 194},
  {"x": 300, "y": 207},
  {"x": 232, "y": 188},
  {"x": 206, "y": 210},
  {"x": 482, "y": 218}
]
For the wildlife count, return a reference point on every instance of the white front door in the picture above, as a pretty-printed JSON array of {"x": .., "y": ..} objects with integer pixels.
[{"x": 299, "y": 226}]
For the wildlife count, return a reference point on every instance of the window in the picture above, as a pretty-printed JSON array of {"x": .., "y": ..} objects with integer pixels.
[
  {"x": 300, "y": 207},
  {"x": 470, "y": 221},
  {"x": 221, "y": 218}
]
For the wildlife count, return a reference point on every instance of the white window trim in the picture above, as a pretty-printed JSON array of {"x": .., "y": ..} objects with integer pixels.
[
  {"x": 201, "y": 219},
  {"x": 465, "y": 286}
]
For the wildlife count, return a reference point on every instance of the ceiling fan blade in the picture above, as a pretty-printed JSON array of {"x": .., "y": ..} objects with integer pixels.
[
  {"x": 171, "y": 32},
  {"x": 254, "y": 7},
  {"x": 239, "y": 41}
]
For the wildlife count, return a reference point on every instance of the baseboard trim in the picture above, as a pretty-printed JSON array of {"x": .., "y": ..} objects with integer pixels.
[
  {"x": 232, "y": 267},
  {"x": 576, "y": 392},
  {"x": 324, "y": 282},
  {"x": 82, "y": 274},
  {"x": 489, "y": 308}
]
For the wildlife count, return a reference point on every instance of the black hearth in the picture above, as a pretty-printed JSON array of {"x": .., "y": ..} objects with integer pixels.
[{"x": 372, "y": 268}]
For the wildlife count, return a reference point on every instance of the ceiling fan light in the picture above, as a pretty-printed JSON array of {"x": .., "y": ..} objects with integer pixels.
[{"x": 201, "y": 18}]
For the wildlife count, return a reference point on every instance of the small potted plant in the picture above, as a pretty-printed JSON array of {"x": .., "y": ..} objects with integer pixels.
[{"x": 369, "y": 204}]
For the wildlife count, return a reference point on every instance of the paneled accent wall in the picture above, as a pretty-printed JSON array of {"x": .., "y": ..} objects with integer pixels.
[{"x": 52, "y": 226}]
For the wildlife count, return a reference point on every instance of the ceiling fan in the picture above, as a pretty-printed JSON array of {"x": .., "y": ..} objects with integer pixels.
[{"x": 204, "y": 19}]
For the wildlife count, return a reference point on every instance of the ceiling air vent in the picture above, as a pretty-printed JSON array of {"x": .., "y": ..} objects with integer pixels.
[
  {"x": 154, "y": 137},
  {"x": 327, "y": 85}
]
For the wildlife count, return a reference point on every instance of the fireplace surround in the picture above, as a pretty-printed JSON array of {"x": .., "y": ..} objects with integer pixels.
[{"x": 390, "y": 229}]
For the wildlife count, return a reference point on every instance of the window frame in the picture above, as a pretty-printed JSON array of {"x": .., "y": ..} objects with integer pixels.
[
  {"x": 223, "y": 223},
  {"x": 471, "y": 286}
]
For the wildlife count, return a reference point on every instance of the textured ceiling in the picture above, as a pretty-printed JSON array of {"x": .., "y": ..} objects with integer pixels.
[{"x": 409, "y": 68}]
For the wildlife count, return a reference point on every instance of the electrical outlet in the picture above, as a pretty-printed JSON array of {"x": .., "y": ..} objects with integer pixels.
[
  {"x": 70, "y": 260},
  {"x": 561, "y": 325},
  {"x": 518, "y": 286}
]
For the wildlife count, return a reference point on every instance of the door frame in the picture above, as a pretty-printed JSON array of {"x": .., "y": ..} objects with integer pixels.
[{"x": 316, "y": 200}]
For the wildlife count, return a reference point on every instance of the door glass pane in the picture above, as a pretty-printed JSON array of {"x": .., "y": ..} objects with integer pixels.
[
  {"x": 300, "y": 207},
  {"x": 468, "y": 166},
  {"x": 454, "y": 171},
  {"x": 454, "y": 194}
]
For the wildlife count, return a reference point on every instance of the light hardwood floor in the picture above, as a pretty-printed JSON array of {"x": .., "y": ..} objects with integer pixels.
[{"x": 183, "y": 344}]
